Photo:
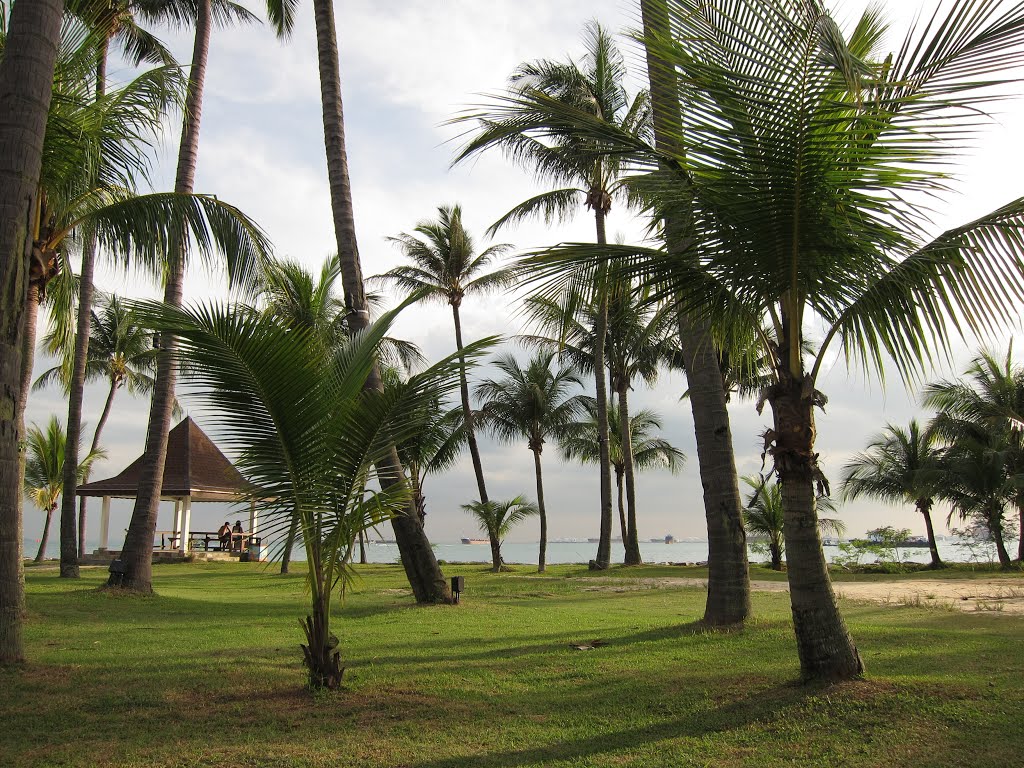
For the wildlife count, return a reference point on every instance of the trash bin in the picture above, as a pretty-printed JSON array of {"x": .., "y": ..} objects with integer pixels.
[
  {"x": 118, "y": 572},
  {"x": 255, "y": 551}
]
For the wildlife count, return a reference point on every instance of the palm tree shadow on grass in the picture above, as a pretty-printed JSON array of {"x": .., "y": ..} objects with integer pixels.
[{"x": 758, "y": 705}]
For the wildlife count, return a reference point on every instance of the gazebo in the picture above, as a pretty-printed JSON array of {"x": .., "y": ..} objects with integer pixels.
[{"x": 195, "y": 470}]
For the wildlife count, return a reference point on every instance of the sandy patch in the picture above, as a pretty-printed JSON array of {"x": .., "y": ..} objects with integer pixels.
[{"x": 999, "y": 595}]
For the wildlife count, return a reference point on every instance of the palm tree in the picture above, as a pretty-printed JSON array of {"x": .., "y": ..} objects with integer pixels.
[
  {"x": 421, "y": 568},
  {"x": 136, "y": 554},
  {"x": 728, "y": 599},
  {"x": 26, "y": 87},
  {"x": 121, "y": 353},
  {"x": 764, "y": 517},
  {"x": 976, "y": 481},
  {"x": 900, "y": 466},
  {"x": 108, "y": 20},
  {"x": 307, "y": 433},
  {"x": 44, "y": 465},
  {"x": 445, "y": 268},
  {"x": 497, "y": 518},
  {"x": 796, "y": 166},
  {"x": 993, "y": 403},
  {"x": 579, "y": 441},
  {"x": 531, "y": 403},
  {"x": 512, "y": 123},
  {"x": 641, "y": 338}
]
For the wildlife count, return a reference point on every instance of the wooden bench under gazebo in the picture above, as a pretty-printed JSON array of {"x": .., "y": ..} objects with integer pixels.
[{"x": 195, "y": 470}]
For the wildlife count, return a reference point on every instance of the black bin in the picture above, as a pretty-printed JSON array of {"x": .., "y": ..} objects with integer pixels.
[{"x": 118, "y": 573}]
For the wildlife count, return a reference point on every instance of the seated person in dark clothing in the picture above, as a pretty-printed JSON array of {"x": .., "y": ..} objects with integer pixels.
[
  {"x": 237, "y": 537},
  {"x": 224, "y": 534}
]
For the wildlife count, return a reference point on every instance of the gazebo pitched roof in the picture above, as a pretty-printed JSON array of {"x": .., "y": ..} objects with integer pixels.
[{"x": 195, "y": 467}]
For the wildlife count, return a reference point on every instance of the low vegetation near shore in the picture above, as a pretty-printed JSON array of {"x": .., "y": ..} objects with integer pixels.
[{"x": 208, "y": 673}]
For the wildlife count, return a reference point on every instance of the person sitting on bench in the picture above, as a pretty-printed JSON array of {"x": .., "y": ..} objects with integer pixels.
[
  {"x": 224, "y": 534},
  {"x": 237, "y": 537}
]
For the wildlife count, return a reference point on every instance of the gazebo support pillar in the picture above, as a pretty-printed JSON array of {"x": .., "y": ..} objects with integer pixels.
[
  {"x": 176, "y": 526},
  {"x": 254, "y": 519},
  {"x": 105, "y": 524},
  {"x": 186, "y": 523}
]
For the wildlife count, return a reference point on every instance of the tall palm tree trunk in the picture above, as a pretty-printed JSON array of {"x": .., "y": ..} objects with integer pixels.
[
  {"x": 995, "y": 526},
  {"x": 631, "y": 540},
  {"x": 542, "y": 555},
  {"x": 137, "y": 554},
  {"x": 107, "y": 406},
  {"x": 495, "y": 553},
  {"x": 31, "y": 324},
  {"x": 421, "y": 568},
  {"x": 467, "y": 411},
  {"x": 924, "y": 505},
  {"x": 70, "y": 550},
  {"x": 1020, "y": 543},
  {"x": 728, "y": 571},
  {"x": 26, "y": 85},
  {"x": 289, "y": 545},
  {"x": 44, "y": 538},
  {"x": 620, "y": 489},
  {"x": 604, "y": 545},
  {"x": 824, "y": 644}
]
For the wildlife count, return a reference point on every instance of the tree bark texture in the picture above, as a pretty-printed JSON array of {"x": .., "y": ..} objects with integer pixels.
[
  {"x": 824, "y": 644},
  {"x": 631, "y": 540},
  {"x": 467, "y": 411},
  {"x": 289, "y": 545},
  {"x": 137, "y": 554},
  {"x": 421, "y": 568},
  {"x": 620, "y": 489},
  {"x": 70, "y": 536},
  {"x": 604, "y": 545},
  {"x": 495, "y": 554},
  {"x": 728, "y": 571},
  {"x": 26, "y": 85},
  {"x": 28, "y": 348},
  {"x": 70, "y": 551},
  {"x": 542, "y": 555}
]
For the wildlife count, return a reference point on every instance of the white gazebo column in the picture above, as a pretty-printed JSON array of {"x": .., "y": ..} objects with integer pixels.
[
  {"x": 176, "y": 527},
  {"x": 186, "y": 522},
  {"x": 254, "y": 519},
  {"x": 105, "y": 524}
]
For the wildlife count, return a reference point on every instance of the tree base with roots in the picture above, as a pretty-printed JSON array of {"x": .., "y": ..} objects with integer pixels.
[{"x": 321, "y": 657}]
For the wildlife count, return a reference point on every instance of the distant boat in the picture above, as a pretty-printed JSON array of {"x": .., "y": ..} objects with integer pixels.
[
  {"x": 476, "y": 541},
  {"x": 668, "y": 539}
]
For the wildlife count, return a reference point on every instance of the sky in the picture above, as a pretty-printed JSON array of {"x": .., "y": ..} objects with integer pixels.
[{"x": 407, "y": 69}]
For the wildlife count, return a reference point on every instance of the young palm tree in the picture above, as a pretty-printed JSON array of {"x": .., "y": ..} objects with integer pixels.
[
  {"x": 497, "y": 518},
  {"x": 991, "y": 400},
  {"x": 512, "y": 123},
  {"x": 532, "y": 404},
  {"x": 579, "y": 441},
  {"x": 900, "y": 466},
  {"x": 121, "y": 353},
  {"x": 304, "y": 302},
  {"x": 26, "y": 87},
  {"x": 45, "y": 451},
  {"x": 307, "y": 433},
  {"x": 764, "y": 517},
  {"x": 796, "y": 165},
  {"x": 445, "y": 267}
]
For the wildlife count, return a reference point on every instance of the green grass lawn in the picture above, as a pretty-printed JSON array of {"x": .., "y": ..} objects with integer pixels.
[{"x": 208, "y": 673}]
